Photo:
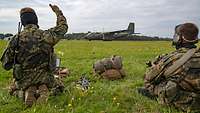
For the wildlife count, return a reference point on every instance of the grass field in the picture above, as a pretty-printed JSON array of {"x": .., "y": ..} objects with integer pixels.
[{"x": 103, "y": 96}]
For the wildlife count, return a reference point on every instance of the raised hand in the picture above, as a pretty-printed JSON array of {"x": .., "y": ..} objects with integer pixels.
[{"x": 54, "y": 8}]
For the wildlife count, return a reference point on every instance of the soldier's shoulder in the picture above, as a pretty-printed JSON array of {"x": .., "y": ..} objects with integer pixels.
[
  {"x": 40, "y": 30},
  {"x": 177, "y": 53},
  {"x": 197, "y": 53},
  {"x": 37, "y": 33},
  {"x": 198, "y": 50},
  {"x": 165, "y": 59},
  {"x": 30, "y": 30},
  {"x": 13, "y": 39},
  {"x": 185, "y": 50}
]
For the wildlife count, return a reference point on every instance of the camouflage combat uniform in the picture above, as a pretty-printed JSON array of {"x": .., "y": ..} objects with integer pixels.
[
  {"x": 180, "y": 89},
  {"x": 34, "y": 51}
]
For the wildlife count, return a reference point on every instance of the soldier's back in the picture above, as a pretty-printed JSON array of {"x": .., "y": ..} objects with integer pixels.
[
  {"x": 191, "y": 74},
  {"x": 33, "y": 57},
  {"x": 182, "y": 87}
]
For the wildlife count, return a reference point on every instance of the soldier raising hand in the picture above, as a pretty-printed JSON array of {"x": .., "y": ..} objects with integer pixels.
[{"x": 29, "y": 53}]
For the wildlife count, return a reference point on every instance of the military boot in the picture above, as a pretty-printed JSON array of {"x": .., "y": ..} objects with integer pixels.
[
  {"x": 12, "y": 88},
  {"x": 30, "y": 96},
  {"x": 44, "y": 94}
]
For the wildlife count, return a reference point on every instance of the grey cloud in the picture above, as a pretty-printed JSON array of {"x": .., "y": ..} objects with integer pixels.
[{"x": 152, "y": 17}]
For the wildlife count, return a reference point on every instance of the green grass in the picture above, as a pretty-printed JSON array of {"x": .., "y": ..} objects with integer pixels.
[{"x": 104, "y": 96}]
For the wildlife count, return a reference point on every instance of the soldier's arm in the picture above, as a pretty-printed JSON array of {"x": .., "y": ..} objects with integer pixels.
[
  {"x": 7, "y": 58},
  {"x": 53, "y": 35},
  {"x": 154, "y": 72}
]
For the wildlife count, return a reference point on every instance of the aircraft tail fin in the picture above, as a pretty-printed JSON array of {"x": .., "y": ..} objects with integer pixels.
[{"x": 131, "y": 28}]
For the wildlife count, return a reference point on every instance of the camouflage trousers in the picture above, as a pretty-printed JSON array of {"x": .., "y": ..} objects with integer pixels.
[
  {"x": 36, "y": 93},
  {"x": 170, "y": 93},
  {"x": 33, "y": 94}
]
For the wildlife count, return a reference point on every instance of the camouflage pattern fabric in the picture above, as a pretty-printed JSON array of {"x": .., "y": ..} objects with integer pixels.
[
  {"x": 30, "y": 93},
  {"x": 34, "y": 53},
  {"x": 58, "y": 75},
  {"x": 109, "y": 68},
  {"x": 35, "y": 94},
  {"x": 180, "y": 89}
]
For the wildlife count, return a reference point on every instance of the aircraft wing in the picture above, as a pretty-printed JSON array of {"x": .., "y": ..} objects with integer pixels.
[{"x": 112, "y": 32}]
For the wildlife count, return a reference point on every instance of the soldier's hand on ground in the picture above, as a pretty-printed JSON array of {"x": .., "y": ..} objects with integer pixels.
[{"x": 54, "y": 8}]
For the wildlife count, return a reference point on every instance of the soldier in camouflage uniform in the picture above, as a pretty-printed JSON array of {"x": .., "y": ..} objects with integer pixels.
[
  {"x": 29, "y": 53},
  {"x": 175, "y": 78},
  {"x": 109, "y": 68}
]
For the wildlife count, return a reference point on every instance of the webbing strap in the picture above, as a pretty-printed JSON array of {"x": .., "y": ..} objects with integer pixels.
[{"x": 180, "y": 62}]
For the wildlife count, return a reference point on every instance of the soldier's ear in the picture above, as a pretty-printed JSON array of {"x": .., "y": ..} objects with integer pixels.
[{"x": 177, "y": 35}]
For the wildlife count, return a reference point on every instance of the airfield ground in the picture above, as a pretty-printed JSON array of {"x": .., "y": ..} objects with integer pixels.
[{"x": 103, "y": 96}]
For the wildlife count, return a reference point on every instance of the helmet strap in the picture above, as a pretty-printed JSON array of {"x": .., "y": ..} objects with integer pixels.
[{"x": 191, "y": 41}]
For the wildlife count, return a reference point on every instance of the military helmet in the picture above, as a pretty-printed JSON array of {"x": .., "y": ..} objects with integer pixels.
[
  {"x": 189, "y": 32},
  {"x": 28, "y": 16},
  {"x": 186, "y": 33},
  {"x": 26, "y": 10}
]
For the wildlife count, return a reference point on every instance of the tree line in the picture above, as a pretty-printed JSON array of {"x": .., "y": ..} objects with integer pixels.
[{"x": 6, "y": 35}]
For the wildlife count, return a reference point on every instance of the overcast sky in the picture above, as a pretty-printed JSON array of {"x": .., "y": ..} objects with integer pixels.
[{"x": 152, "y": 17}]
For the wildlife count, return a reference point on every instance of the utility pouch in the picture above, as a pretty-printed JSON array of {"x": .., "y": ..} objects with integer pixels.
[
  {"x": 17, "y": 71},
  {"x": 58, "y": 60}
]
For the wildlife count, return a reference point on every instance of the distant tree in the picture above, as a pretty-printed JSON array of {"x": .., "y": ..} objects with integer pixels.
[{"x": 2, "y": 36}]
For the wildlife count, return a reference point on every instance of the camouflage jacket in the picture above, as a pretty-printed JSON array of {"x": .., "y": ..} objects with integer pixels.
[
  {"x": 32, "y": 51},
  {"x": 187, "y": 76}
]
